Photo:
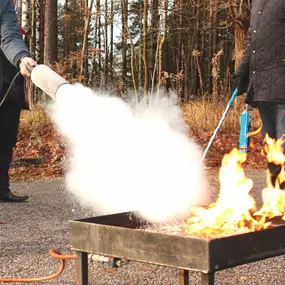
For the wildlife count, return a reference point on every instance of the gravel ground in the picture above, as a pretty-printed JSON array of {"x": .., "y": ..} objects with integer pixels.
[{"x": 29, "y": 230}]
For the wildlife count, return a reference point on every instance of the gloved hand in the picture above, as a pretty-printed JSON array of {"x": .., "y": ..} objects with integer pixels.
[{"x": 241, "y": 83}]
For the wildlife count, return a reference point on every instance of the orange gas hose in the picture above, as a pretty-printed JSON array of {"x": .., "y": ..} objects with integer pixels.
[{"x": 54, "y": 253}]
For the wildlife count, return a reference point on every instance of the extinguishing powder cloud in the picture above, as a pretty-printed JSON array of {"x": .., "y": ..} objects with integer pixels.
[{"x": 125, "y": 158}]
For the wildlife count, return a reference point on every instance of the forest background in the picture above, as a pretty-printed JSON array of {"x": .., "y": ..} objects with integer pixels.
[{"x": 131, "y": 48}]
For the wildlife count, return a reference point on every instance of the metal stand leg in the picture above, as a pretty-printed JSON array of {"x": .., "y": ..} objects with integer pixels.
[
  {"x": 81, "y": 268},
  {"x": 208, "y": 279},
  {"x": 183, "y": 277}
]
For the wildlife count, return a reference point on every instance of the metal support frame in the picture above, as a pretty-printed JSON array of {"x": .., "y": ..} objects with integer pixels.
[
  {"x": 208, "y": 279},
  {"x": 183, "y": 277},
  {"x": 81, "y": 268}
]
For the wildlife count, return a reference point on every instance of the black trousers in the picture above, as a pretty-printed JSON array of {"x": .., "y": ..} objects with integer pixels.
[
  {"x": 273, "y": 121},
  {"x": 9, "y": 124}
]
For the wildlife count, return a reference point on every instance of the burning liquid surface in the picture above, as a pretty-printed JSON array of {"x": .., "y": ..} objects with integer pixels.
[{"x": 181, "y": 229}]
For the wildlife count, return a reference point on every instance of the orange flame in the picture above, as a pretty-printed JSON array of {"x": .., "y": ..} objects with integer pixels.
[
  {"x": 235, "y": 211},
  {"x": 273, "y": 198},
  {"x": 273, "y": 204},
  {"x": 232, "y": 210},
  {"x": 274, "y": 150}
]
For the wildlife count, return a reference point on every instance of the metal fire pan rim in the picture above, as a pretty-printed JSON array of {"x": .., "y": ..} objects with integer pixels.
[{"x": 120, "y": 235}]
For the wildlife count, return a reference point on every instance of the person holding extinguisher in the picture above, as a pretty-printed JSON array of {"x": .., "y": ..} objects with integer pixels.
[{"x": 14, "y": 56}]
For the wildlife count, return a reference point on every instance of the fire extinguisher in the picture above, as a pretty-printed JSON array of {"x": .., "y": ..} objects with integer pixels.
[{"x": 245, "y": 124}]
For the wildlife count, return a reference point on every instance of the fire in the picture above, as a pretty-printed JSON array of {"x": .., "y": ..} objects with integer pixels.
[
  {"x": 235, "y": 210},
  {"x": 273, "y": 204},
  {"x": 274, "y": 154},
  {"x": 273, "y": 197},
  {"x": 274, "y": 150},
  {"x": 232, "y": 210}
]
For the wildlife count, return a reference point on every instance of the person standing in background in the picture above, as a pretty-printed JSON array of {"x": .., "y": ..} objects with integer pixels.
[{"x": 261, "y": 73}]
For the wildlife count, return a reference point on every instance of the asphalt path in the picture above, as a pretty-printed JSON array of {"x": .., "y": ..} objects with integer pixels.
[{"x": 29, "y": 230}]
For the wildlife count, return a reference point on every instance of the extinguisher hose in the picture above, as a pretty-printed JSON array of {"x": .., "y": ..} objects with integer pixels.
[{"x": 9, "y": 89}]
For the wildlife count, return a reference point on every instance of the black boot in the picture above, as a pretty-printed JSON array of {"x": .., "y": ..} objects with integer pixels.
[{"x": 7, "y": 196}]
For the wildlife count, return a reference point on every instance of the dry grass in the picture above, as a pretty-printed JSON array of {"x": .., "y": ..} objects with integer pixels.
[
  {"x": 34, "y": 122},
  {"x": 202, "y": 115}
]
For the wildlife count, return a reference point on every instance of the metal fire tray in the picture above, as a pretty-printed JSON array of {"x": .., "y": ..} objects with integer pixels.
[{"x": 121, "y": 235}]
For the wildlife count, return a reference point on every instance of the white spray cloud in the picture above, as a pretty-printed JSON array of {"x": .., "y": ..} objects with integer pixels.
[{"x": 124, "y": 159}]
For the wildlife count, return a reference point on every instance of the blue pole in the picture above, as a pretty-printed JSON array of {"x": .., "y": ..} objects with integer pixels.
[{"x": 234, "y": 95}]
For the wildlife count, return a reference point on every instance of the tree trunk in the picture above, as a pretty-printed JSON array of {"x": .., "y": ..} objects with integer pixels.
[
  {"x": 140, "y": 49},
  {"x": 39, "y": 34},
  {"x": 33, "y": 28},
  {"x": 132, "y": 48},
  {"x": 84, "y": 52},
  {"x": 145, "y": 54},
  {"x": 240, "y": 43},
  {"x": 50, "y": 37},
  {"x": 106, "y": 44},
  {"x": 99, "y": 28},
  {"x": 241, "y": 15},
  {"x": 124, "y": 44},
  {"x": 111, "y": 55},
  {"x": 66, "y": 29},
  {"x": 179, "y": 48},
  {"x": 162, "y": 41},
  {"x": 50, "y": 46},
  {"x": 26, "y": 6},
  {"x": 153, "y": 38}
]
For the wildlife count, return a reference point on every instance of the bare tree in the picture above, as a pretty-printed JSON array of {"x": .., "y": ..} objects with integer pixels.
[
  {"x": 239, "y": 10},
  {"x": 162, "y": 42},
  {"x": 84, "y": 55},
  {"x": 124, "y": 43},
  {"x": 145, "y": 48},
  {"x": 50, "y": 32},
  {"x": 26, "y": 6},
  {"x": 112, "y": 41},
  {"x": 106, "y": 54},
  {"x": 66, "y": 19}
]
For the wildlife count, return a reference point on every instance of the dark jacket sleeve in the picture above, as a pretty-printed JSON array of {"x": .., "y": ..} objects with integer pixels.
[
  {"x": 243, "y": 68},
  {"x": 12, "y": 44}
]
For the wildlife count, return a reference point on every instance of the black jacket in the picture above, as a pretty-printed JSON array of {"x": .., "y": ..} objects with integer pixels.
[
  {"x": 11, "y": 43},
  {"x": 18, "y": 89},
  {"x": 13, "y": 47},
  {"x": 263, "y": 63}
]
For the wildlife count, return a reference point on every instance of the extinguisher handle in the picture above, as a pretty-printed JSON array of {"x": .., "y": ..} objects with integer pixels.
[{"x": 29, "y": 67}]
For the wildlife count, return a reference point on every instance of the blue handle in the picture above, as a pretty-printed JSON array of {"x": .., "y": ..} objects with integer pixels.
[{"x": 233, "y": 97}]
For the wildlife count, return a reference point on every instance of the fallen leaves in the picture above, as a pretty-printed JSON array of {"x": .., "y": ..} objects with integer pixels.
[{"x": 38, "y": 157}]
